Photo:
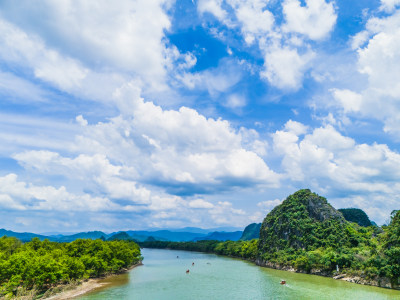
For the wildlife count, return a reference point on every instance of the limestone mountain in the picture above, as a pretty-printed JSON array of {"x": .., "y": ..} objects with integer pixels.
[{"x": 303, "y": 221}]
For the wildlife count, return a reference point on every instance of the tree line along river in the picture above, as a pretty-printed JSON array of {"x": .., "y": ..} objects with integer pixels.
[{"x": 163, "y": 276}]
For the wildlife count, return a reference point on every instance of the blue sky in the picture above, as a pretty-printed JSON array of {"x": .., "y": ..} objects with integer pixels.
[{"x": 165, "y": 114}]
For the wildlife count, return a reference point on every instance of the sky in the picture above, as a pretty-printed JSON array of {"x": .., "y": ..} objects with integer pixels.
[{"x": 118, "y": 115}]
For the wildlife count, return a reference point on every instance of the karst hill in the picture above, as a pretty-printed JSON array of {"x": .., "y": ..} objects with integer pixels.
[{"x": 305, "y": 221}]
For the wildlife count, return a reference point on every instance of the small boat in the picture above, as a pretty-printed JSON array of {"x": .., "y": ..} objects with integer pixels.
[
  {"x": 192, "y": 263},
  {"x": 187, "y": 271},
  {"x": 283, "y": 281},
  {"x": 177, "y": 256}
]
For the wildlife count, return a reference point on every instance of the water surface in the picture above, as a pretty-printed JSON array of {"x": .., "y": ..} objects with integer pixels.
[{"x": 163, "y": 276}]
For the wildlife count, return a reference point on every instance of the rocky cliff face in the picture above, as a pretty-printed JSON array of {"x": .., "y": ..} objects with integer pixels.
[{"x": 303, "y": 221}]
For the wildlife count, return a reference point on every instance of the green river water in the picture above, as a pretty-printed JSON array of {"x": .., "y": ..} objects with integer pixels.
[{"x": 163, "y": 276}]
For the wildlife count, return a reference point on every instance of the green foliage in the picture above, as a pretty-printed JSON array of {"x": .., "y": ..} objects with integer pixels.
[
  {"x": 251, "y": 232},
  {"x": 303, "y": 221},
  {"x": 391, "y": 248},
  {"x": 43, "y": 264},
  {"x": 356, "y": 215},
  {"x": 241, "y": 249},
  {"x": 307, "y": 233}
]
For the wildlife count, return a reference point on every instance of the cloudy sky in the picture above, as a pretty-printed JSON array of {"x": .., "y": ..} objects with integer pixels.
[{"x": 145, "y": 114}]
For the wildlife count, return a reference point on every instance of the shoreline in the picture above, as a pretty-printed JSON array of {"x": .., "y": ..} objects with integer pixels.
[
  {"x": 381, "y": 282},
  {"x": 87, "y": 286}
]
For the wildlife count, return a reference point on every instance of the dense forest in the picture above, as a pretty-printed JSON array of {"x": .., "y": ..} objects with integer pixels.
[
  {"x": 308, "y": 235},
  {"x": 37, "y": 266}
]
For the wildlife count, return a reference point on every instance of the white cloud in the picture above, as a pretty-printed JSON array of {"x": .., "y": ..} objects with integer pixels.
[
  {"x": 236, "y": 101},
  {"x": 87, "y": 31},
  {"x": 81, "y": 121},
  {"x": 215, "y": 80},
  {"x": 379, "y": 62},
  {"x": 333, "y": 164},
  {"x": 213, "y": 7},
  {"x": 389, "y": 5},
  {"x": 269, "y": 204},
  {"x": 349, "y": 100},
  {"x": 285, "y": 67},
  {"x": 296, "y": 127},
  {"x": 180, "y": 151},
  {"x": 200, "y": 203},
  {"x": 254, "y": 18},
  {"x": 315, "y": 20},
  {"x": 19, "y": 195},
  {"x": 30, "y": 51},
  {"x": 287, "y": 53}
]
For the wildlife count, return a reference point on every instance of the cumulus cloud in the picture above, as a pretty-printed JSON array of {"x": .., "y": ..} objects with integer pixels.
[
  {"x": 349, "y": 100},
  {"x": 378, "y": 49},
  {"x": 254, "y": 18},
  {"x": 154, "y": 161},
  {"x": 285, "y": 67},
  {"x": 20, "y": 195},
  {"x": 138, "y": 45},
  {"x": 213, "y": 7},
  {"x": 315, "y": 20},
  {"x": 287, "y": 53},
  {"x": 333, "y": 165},
  {"x": 389, "y": 5},
  {"x": 178, "y": 149}
]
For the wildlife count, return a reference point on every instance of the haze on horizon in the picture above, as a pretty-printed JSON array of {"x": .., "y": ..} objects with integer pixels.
[{"x": 130, "y": 115}]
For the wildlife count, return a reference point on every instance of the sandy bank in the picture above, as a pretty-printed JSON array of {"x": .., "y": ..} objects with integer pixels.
[{"x": 86, "y": 286}]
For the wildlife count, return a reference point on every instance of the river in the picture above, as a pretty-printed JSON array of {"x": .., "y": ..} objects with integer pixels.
[{"x": 163, "y": 276}]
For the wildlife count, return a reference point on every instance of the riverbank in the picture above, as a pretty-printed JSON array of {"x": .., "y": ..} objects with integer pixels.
[
  {"x": 74, "y": 290},
  {"x": 381, "y": 282}
]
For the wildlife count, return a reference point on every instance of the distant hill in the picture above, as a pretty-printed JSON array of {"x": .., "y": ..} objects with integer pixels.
[
  {"x": 23, "y": 236},
  {"x": 356, "y": 215},
  {"x": 93, "y": 235},
  {"x": 221, "y": 236},
  {"x": 120, "y": 236},
  {"x": 140, "y": 236},
  {"x": 251, "y": 231},
  {"x": 165, "y": 235}
]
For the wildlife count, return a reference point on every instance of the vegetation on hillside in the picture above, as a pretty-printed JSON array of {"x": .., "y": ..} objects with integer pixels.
[
  {"x": 356, "y": 215},
  {"x": 41, "y": 265},
  {"x": 251, "y": 232}
]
